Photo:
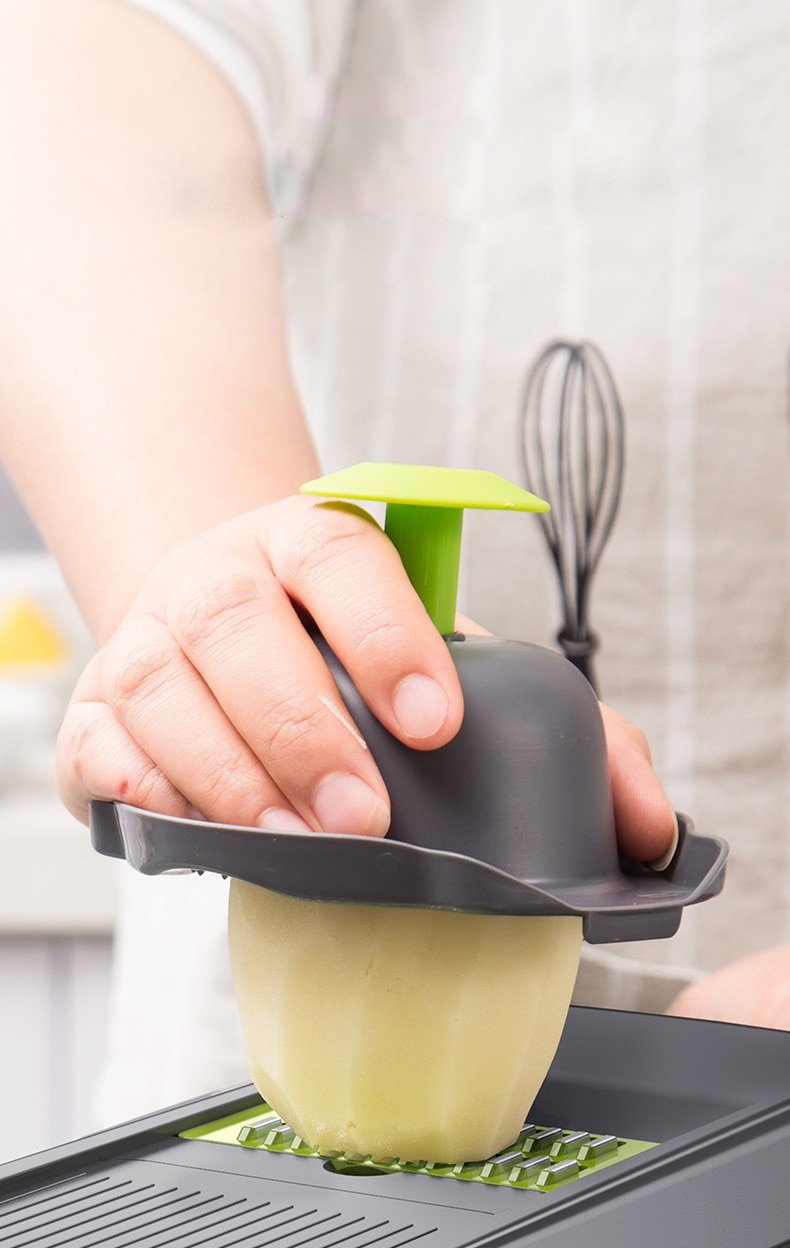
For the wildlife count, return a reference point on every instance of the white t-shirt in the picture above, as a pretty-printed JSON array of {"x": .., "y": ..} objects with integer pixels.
[{"x": 461, "y": 181}]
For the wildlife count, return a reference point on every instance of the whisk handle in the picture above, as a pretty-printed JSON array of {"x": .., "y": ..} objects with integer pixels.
[{"x": 579, "y": 651}]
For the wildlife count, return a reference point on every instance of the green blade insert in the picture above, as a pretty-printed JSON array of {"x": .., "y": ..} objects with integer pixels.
[
  {"x": 424, "y": 518},
  {"x": 529, "y": 1164}
]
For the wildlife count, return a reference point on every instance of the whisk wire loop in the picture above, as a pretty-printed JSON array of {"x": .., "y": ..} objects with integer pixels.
[{"x": 573, "y": 451}]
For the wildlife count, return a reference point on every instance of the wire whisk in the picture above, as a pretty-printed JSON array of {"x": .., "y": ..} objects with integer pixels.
[{"x": 573, "y": 445}]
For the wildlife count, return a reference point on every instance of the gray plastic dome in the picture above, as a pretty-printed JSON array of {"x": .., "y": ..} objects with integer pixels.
[{"x": 514, "y": 816}]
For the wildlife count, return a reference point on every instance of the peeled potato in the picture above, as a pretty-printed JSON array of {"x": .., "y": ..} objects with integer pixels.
[{"x": 399, "y": 1032}]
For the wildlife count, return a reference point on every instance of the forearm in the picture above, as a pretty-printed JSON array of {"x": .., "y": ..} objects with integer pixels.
[{"x": 145, "y": 371}]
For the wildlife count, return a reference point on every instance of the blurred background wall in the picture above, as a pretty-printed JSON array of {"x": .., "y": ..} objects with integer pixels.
[{"x": 56, "y": 895}]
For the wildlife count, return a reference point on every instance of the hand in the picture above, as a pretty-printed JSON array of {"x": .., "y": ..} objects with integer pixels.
[
  {"x": 754, "y": 991},
  {"x": 210, "y": 696}
]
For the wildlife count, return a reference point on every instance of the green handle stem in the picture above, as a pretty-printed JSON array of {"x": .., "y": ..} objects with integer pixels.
[{"x": 431, "y": 566}]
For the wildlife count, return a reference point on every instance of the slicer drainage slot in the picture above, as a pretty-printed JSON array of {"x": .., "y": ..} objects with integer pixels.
[{"x": 542, "y": 1159}]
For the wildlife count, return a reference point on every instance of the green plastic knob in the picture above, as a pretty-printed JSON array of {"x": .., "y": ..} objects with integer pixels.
[{"x": 424, "y": 517}]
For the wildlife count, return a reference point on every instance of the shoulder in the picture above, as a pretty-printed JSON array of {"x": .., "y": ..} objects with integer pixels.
[{"x": 282, "y": 57}]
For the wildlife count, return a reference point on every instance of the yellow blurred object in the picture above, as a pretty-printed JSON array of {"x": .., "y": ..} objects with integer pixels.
[{"x": 26, "y": 636}]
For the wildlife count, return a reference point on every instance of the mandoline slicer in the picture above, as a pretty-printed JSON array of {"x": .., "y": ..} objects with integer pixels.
[
  {"x": 648, "y": 1130},
  {"x": 514, "y": 816}
]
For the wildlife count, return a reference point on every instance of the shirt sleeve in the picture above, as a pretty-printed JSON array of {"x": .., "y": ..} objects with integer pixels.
[{"x": 283, "y": 58}]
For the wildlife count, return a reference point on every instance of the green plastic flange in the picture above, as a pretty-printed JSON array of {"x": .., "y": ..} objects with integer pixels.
[{"x": 424, "y": 517}]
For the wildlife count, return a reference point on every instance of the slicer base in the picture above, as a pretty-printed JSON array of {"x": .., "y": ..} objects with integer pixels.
[{"x": 715, "y": 1098}]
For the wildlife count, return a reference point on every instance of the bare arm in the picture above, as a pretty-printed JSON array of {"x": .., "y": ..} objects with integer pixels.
[
  {"x": 754, "y": 991},
  {"x": 145, "y": 379},
  {"x": 150, "y": 419},
  {"x": 146, "y": 397}
]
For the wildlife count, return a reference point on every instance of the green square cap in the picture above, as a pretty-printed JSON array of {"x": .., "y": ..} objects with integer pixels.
[{"x": 419, "y": 486}]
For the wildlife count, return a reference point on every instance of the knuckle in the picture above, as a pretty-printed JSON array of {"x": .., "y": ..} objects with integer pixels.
[
  {"x": 326, "y": 536},
  {"x": 142, "y": 674},
  {"x": 142, "y": 784},
  {"x": 81, "y": 736},
  {"x": 290, "y": 724},
  {"x": 88, "y": 751},
  {"x": 384, "y": 636},
  {"x": 225, "y": 775},
  {"x": 197, "y": 617}
]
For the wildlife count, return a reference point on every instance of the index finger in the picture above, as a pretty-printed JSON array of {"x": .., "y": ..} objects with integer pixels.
[{"x": 336, "y": 562}]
